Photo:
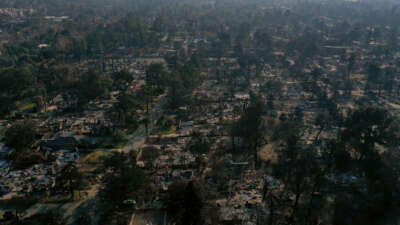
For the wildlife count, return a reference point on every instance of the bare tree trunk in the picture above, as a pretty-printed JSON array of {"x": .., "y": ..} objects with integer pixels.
[
  {"x": 233, "y": 143},
  {"x": 310, "y": 205},
  {"x": 255, "y": 152},
  {"x": 271, "y": 212},
  {"x": 319, "y": 133},
  {"x": 296, "y": 202}
]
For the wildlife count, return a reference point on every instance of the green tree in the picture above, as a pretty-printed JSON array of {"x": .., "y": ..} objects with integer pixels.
[
  {"x": 389, "y": 80},
  {"x": 126, "y": 177},
  {"x": 250, "y": 127},
  {"x": 18, "y": 205},
  {"x": 93, "y": 85},
  {"x": 176, "y": 90},
  {"x": 7, "y": 105},
  {"x": 125, "y": 110},
  {"x": 84, "y": 219},
  {"x": 69, "y": 180},
  {"x": 322, "y": 121},
  {"x": 184, "y": 204},
  {"x": 367, "y": 127},
  {"x": 373, "y": 78},
  {"x": 51, "y": 217},
  {"x": 123, "y": 77},
  {"x": 21, "y": 135},
  {"x": 155, "y": 75},
  {"x": 14, "y": 81},
  {"x": 199, "y": 144}
]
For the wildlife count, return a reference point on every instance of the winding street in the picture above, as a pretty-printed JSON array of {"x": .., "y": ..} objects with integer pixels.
[{"x": 138, "y": 138}]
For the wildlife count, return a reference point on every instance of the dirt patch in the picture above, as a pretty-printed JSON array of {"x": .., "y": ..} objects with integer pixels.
[
  {"x": 267, "y": 154},
  {"x": 148, "y": 217}
]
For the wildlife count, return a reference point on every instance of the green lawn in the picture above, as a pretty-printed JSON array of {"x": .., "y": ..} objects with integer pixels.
[
  {"x": 151, "y": 106},
  {"x": 25, "y": 105},
  {"x": 61, "y": 199},
  {"x": 165, "y": 131},
  {"x": 96, "y": 157}
]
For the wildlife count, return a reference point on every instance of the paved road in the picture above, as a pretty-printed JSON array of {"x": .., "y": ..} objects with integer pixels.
[
  {"x": 132, "y": 220},
  {"x": 70, "y": 210},
  {"x": 138, "y": 138}
]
